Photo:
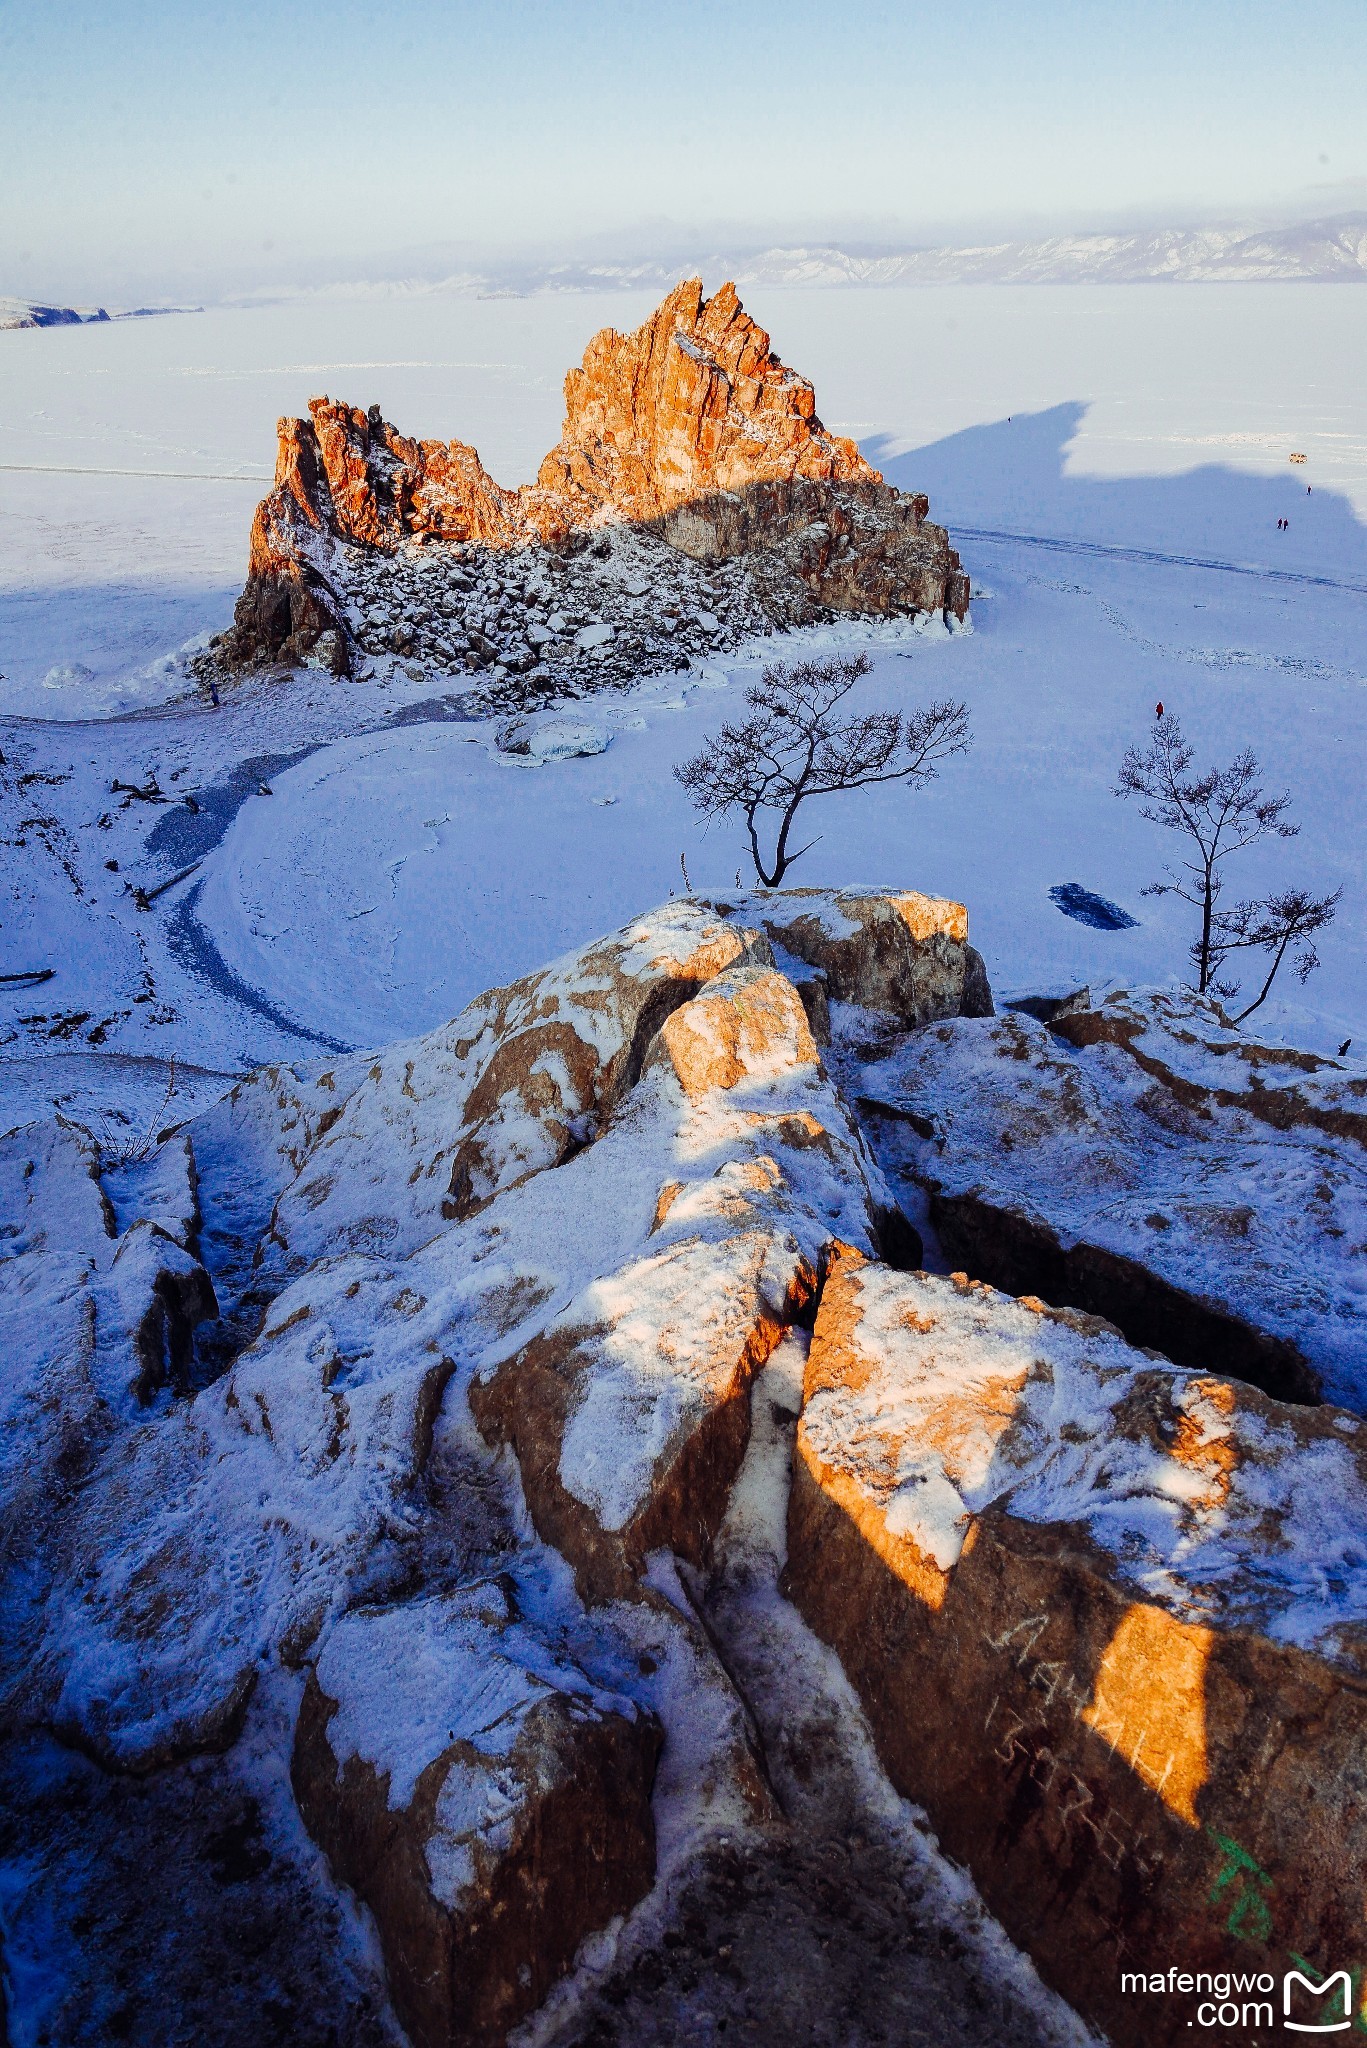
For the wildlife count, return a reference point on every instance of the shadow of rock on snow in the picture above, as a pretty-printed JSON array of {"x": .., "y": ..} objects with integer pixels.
[
  {"x": 1016, "y": 476},
  {"x": 123, "y": 629}
]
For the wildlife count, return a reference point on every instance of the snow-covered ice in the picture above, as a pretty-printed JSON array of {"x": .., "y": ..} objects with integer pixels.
[{"x": 398, "y": 867}]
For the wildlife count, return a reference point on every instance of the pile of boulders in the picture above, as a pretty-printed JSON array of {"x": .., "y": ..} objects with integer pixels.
[{"x": 537, "y": 623}]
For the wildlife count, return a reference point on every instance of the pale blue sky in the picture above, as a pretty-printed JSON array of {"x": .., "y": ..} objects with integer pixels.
[{"x": 153, "y": 146}]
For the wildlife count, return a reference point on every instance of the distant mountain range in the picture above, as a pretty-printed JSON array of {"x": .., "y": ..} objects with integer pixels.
[
  {"x": 1330, "y": 251},
  {"x": 1324, "y": 251}
]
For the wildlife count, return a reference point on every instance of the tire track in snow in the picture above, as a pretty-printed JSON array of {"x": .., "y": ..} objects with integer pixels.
[{"x": 1109, "y": 551}]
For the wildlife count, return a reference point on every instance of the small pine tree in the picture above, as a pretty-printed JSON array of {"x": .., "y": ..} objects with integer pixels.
[
  {"x": 800, "y": 742},
  {"x": 1223, "y": 812}
]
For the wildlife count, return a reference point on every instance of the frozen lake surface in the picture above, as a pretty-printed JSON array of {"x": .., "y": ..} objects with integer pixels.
[
  {"x": 1112, "y": 463},
  {"x": 1154, "y": 417}
]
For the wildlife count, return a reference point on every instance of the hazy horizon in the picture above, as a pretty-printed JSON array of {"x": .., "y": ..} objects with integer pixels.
[{"x": 157, "y": 149}]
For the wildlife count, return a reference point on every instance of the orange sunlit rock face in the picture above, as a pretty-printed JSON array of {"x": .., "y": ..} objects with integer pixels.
[
  {"x": 1149, "y": 1702},
  {"x": 1069, "y": 1584},
  {"x": 692, "y": 403},
  {"x": 690, "y": 427},
  {"x": 750, "y": 1023},
  {"x": 895, "y": 951}
]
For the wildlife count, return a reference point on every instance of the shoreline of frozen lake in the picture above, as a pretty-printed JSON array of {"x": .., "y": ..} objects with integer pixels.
[
  {"x": 1122, "y": 437},
  {"x": 132, "y": 453}
]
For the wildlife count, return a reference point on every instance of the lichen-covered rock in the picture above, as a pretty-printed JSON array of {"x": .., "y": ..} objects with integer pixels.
[
  {"x": 1107, "y": 1621},
  {"x": 486, "y": 1799},
  {"x": 1145, "y": 1161},
  {"x": 689, "y": 429}
]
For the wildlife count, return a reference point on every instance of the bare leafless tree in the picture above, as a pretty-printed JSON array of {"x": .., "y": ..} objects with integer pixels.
[
  {"x": 1223, "y": 812},
  {"x": 1284, "y": 922},
  {"x": 800, "y": 742}
]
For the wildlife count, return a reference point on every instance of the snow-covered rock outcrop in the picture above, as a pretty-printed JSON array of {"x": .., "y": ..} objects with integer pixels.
[
  {"x": 1107, "y": 1621},
  {"x": 1145, "y": 1161},
  {"x": 368, "y": 1442},
  {"x": 687, "y": 446},
  {"x": 575, "y": 1221}
]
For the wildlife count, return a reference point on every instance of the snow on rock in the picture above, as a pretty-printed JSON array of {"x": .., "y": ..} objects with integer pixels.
[
  {"x": 1147, "y": 1162},
  {"x": 562, "y": 738},
  {"x": 880, "y": 949},
  {"x": 1106, "y": 1618},
  {"x": 97, "y": 1308},
  {"x": 739, "y": 1166},
  {"x": 372, "y": 1153},
  {"x": 56, "y": 1230},
  {"x": 50, "y": 1181},
  {"x": 159, "y": 1186},
  {"x": 162, "y": 1293},
  {"x": 689, "y": 436},
  {"x": 433, "y": 1487},
  {"x": 386, "y": 1148},
  {"x": 575, "y": 1220},
  {"x": 483, "y": 1797}
]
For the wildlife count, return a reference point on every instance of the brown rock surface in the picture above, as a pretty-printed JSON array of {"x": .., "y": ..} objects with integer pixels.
[
  {"x": 891, "y": 950},
  {"x": 1088, "y": 1603},
  {"x": 706, "y": 1324},
  {"x": 565, "y": 1049},
  {"x": 387, "y": 1149},
  {"x": 748, "y": 1024},
  {"x": 486, "y": 1800},
  {"x": 693, "y": 403},
  {"x": 649, "y": 1166},
  {"x": 630, "y": 1413},
  {"x": 690, "y": 427}
]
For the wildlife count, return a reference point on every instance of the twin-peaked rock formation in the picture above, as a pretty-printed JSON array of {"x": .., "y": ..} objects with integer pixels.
[
  {"x": 391, "y": 1578},
  {"x": 689, "y": 431}
]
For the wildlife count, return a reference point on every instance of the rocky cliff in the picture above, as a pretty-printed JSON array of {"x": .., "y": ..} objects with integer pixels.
[
  {"x": 398, "y": 1461},
  {"x": 688, "y": 443}
]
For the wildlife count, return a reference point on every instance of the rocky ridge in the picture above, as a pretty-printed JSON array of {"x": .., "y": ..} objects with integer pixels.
[
  {"x": 396, "y": 1483},
  {"x": 694, "y": 499},
  {"x": 1143, "y": 1160},
  {"x": 1077, "y": 1592},
  {"x": 293, "y": 1561}
]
